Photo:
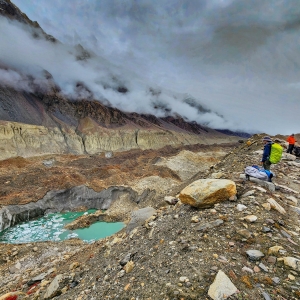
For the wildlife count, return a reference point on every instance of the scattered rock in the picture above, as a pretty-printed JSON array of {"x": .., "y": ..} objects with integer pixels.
[
  {"x": 272, "y": 260},
  {"x": 232, "y": 198},
  {"x": 285, "y": 188},
  {"x": 241, "y": 207},
  {"x": 293, "y": 199},
  {"x": 288, "y": 156},
  {"x": 269, "y": 185},
  {"x": 266, "y": 206},
  {"x": 171, "y": 200},
  {"x": 266, "y": 229},
  {"x": 254, "y": 255},
  {"x": 195, "y": 219},
  {"x": 36, "y": 279},
  {"x": 216, "y": 175},
  {"x": 246, "y": 269},
  {"x": 291, "y": 262},
  {"x": 274, "y": 250},
  {"x": 222, "y": 287},
  {"x": 244, "y": 233},
  {"x": 263, "y": 267},
  {"x": 285, "y": 234},
  {"x": 209, "y": 225},
  {"x": 261, "y": 189},
  {"x": 126, "y": 259},
  {"x": 276, "y": 280},
  {"x": 266, "y": 295},
  {"x": 270, "y": 221},
  {"x": 256, "y": 269},
  {"x": 74, "y": 265},
  {"x": 121, "y": 273},
  {"x": 250, "y": 218},
  {"x": 293, "y": 163},
  {"x": 207, "y": 192},
  {"x": 49, "y": 162},
  {"x": 138, "y": 217},
  {"x": 276, "y": 206},
  {"x": 129, "y": 267},
  {"x": 55, "y": 287},
  {"x": 108, "y": 154},
  {"x": 296, "y": 209},
  {"x": 291, "y": 277},
  {"x": 183, "y": 279},
  {"x": 249, "y": 193}
]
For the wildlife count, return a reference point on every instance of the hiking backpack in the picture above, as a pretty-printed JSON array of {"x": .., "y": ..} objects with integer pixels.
[
  {"x": 256, "y": 172},
  {"x": 297, "y": 151},
  {"x": 276, "y": 153}
]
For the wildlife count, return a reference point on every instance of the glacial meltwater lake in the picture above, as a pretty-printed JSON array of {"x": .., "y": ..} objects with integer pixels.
[{"x": 51, "y": 228}]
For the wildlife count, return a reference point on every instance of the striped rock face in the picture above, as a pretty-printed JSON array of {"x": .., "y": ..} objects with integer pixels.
[{"x": 206, "y": 192}]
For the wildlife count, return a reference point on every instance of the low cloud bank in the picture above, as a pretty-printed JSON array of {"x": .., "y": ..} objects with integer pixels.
[
  {"x": 32, "y": 65},
  {"x": 238, "y": 60}
]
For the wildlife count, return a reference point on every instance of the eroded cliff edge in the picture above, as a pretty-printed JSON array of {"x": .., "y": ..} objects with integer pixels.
[{"x": 37, "y": 124}]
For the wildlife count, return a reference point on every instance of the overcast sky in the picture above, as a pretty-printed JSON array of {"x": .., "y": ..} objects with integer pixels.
[{"x": 239, "y": 58}]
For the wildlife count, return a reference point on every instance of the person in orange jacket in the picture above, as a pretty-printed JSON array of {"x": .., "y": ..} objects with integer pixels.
[{"x": 291, "y": 140}]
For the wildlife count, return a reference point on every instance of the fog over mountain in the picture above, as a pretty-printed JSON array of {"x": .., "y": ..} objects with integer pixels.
[{"x": 236, "y": 60}]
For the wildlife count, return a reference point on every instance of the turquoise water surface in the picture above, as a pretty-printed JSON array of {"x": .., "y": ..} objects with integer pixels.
[{"x": 51, "y": 228}]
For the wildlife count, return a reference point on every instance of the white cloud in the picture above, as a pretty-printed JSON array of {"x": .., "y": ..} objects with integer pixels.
[{"x": 238, "y": 57}]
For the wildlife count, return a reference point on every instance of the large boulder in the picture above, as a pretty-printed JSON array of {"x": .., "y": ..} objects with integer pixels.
[{"x": 204, "y": 193}]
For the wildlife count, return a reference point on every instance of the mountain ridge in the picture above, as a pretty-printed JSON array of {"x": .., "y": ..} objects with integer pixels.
[{"x": 43, "y": 120}]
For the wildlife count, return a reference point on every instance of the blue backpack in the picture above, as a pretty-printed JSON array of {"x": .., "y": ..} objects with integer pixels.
[{"x": 269, "y": 173}]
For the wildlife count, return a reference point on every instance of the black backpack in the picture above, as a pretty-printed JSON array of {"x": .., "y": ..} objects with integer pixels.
[{"x": 297, "y": 151}]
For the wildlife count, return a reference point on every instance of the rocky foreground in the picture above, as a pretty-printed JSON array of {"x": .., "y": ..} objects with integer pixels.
[{"x": 243, "y": 245}]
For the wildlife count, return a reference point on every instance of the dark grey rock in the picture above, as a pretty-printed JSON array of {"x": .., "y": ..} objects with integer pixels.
[
  {"x": 36, "y": 279},
  {"x": 73, "y": 284},
  {"x": 266, "y": 229},
  {"x": 285, "y": 234},
  {"x": 254, "y": 255},
  {"x": 263, "y": 267},
  {"x": 276, "y": 280},
  {"x": 266, "y": 295},
  {"x": 209, "y": 225},
  {"x": 126, "y": 259}
]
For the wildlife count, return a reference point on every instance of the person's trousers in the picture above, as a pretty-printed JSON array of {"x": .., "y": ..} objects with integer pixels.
[
  {"x": 290, "y": 148},
  {"x": 267, "y": 165}
]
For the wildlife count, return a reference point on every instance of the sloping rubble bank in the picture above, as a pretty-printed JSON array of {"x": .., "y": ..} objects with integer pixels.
[{"x": 181, "y": 250}]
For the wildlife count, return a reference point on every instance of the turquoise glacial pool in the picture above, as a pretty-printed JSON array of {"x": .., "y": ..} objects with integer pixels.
[{"x": 51, "y": 228}]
